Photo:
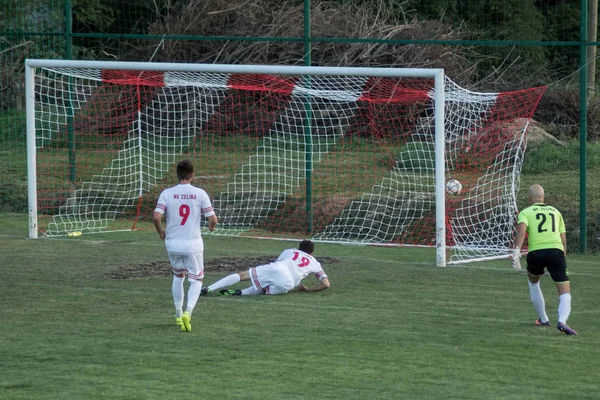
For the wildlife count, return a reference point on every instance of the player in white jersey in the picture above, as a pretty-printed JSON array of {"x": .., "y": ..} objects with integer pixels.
[
  {"x": 184, "y": 205},
  {"x": 279, "y": 277}
]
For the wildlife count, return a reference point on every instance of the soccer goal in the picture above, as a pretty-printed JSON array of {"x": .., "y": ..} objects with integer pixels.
[{"x": 345, "y": 155}]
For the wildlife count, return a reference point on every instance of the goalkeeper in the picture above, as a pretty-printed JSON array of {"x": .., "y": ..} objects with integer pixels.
[{"x": 545, "y": 228}]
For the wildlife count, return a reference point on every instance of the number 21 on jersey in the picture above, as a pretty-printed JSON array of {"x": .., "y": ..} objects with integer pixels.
[{"x": 542, "y": 226}]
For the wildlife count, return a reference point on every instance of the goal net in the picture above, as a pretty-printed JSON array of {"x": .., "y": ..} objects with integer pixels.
[{"x": 337, "y": 154}]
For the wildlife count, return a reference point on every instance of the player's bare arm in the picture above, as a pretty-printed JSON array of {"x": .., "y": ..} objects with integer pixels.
[
  {"x": 322, "y": 286},
  {"x": 212, "y": 222},
  {"x": 157, "y": 220},
  {"x": 563, "y": 239}
]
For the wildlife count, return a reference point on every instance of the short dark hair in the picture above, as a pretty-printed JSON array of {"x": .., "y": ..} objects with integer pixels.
[
  {"x": 185, "y": 169},
  {"x": 307, "y": 246}
]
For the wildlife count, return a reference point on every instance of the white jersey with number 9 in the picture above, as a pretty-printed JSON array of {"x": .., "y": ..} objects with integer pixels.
[{"x": 184, "y": 205}]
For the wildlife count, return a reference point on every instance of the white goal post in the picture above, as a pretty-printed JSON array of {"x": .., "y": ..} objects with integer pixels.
[{"x": 339, "y": 154}]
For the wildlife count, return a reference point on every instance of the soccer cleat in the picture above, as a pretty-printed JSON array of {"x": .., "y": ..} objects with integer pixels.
[
  {"x": 187, "y": 322},
  {"x": 230, "y": 292},
  {"x": 565, "y": 329},
  {"x": 204, "y": 291},
  {"x": 539, "y": 322},
  {"x": 180, "y": 323}
]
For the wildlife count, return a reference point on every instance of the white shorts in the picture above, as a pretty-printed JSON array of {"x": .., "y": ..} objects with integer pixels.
[
  {"x": 192, "y": 262},
  {"x": 271, "y": 278}
]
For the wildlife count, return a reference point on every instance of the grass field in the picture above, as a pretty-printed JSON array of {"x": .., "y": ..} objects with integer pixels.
[{"x": 393, "y": 326}]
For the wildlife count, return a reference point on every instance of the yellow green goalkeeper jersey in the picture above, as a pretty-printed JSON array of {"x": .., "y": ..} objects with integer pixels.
[{"x": 544, "y": 226}]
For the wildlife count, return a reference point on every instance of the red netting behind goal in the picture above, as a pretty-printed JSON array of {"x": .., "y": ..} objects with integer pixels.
[{"x": 338, "y": 158}]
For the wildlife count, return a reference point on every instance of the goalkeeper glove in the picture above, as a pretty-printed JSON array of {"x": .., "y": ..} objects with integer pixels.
[{"x": 516, "y": 259}]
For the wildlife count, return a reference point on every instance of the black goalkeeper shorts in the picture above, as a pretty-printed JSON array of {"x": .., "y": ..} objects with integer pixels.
[{"x": 551, "y": 259}]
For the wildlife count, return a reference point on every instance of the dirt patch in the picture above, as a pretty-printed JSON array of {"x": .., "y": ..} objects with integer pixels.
[{"x": 223, "y": 266}]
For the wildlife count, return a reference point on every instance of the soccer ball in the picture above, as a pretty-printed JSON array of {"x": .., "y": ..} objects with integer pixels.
[{"x": 453, "y": 187}]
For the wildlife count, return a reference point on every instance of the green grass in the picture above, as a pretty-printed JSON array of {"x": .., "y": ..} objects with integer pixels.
[
  {"x": 392, "y": 326},
  {"x": 12, "y": 127},
  {"x": 547, "y": 157}
]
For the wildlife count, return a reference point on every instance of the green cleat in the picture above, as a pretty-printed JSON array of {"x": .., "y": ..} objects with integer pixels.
[
  {"x": 187, "y": 322},
  {"x": 230, "y": 292},
  {"x": 180, "y": 323}
]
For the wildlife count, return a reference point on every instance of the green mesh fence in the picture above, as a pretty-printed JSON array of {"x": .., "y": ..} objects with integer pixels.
[{"x": 490, "y": 45}]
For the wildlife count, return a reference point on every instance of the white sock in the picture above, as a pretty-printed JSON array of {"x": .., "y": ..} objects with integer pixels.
[
  {"x": 227, "y": 281},
  {"x": 178, "y": 295},
  {"x": 537, "y": 298},
  {"x": 251, "y": 291},
  {"x": 193, "y": 294},
  {"x": 564, "y": 307}
]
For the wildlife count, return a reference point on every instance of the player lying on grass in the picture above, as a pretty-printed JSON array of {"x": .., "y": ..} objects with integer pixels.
[
  {"x": 545, "y": 228},
  {"x": 278, "y": 277}
]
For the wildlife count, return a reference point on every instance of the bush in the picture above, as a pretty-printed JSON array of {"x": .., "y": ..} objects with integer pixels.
[
  {"x": 275, "y": 19},
  {"x": 558, "y": 111}
]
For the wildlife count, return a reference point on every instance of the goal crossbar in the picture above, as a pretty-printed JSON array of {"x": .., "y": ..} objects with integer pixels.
[{"x": 236, "y": 68}]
